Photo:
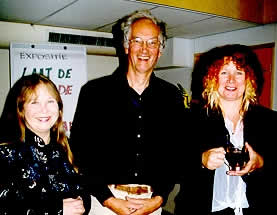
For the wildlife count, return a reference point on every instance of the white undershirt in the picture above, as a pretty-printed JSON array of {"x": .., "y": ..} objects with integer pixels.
[{"x": 230, "y": 191}]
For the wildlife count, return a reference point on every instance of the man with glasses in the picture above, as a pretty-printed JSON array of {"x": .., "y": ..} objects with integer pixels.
[{"x": 130, "y": 120}]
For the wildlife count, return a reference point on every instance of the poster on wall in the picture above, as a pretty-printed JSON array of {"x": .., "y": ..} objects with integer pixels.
[{"x": 66, "y": 66}]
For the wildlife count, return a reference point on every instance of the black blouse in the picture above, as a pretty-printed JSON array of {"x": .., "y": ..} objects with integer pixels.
[{"x": 35, "y": 177}]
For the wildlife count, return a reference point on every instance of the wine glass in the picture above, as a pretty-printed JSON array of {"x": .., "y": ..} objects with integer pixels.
[{"x": 236, "y": 156}]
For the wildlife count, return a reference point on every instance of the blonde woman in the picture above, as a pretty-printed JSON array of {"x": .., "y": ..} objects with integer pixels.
[
  {"x": 37, "y": 171},
  {"x": 231, "y": 80}
]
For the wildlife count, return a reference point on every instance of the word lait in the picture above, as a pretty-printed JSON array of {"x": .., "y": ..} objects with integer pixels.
[{"x": 61, "y": 73}]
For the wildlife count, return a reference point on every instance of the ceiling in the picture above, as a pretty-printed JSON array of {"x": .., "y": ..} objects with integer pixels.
[{"x": 100, "y": 15}]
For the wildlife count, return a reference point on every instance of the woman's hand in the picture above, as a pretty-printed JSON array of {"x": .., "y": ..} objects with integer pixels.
[
  {"x": 213, "y": 158},
  {"x": 256, "y": 161},
  {"x": 73, "y": 206}
]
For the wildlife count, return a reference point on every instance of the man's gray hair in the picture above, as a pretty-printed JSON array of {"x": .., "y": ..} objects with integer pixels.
[{"x": 126, "y": 26}]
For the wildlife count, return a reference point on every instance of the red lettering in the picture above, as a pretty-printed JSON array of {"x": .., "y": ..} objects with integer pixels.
[
  {"x": 65, "y": 90},
  {"x": 65, "y": 126}
]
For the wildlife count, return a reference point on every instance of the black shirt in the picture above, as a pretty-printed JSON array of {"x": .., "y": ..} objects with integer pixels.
[{"x": 121, "y": 137}]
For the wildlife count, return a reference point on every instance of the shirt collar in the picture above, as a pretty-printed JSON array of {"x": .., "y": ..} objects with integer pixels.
[{"x": 32, "y": 138}]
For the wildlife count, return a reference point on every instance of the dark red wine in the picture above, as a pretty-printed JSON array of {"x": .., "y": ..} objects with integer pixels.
[{"x": 235, "y": 158}]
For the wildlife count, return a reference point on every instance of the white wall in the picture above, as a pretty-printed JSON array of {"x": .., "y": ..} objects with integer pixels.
[
  {"x": 177, "y": 75},
  {"x": 4, "y": 76},
  {"x": 250, "y": 36},
  {"x": 100, "y": 65},
  {"x": 179, "y": 56}
]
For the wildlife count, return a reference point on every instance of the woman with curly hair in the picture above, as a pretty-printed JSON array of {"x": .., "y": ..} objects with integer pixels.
[{"x": 229, "y": 79}]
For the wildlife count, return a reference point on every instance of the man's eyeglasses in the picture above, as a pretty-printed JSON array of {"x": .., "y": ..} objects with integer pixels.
[{"x": 151, "y": 43}]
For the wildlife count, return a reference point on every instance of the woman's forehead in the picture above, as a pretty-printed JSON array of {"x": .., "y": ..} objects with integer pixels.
[{"x": 40, "y": 89}]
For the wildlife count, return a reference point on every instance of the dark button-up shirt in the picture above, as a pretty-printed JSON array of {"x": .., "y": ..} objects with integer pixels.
[{"x": 121, "y": 137}]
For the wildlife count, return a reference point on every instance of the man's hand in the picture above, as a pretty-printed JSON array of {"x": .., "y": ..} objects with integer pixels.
[
  {"x": 133, "y": 206},
  {"x": 120, "y": 206},
  {"x": 149, "y": 205}
]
